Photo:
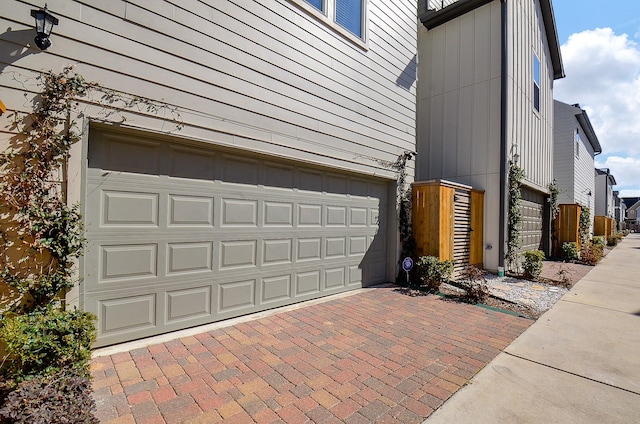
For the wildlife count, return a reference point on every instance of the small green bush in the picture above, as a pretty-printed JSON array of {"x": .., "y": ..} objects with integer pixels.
[
  {"x": 64, "y": 397},
  {"x": 533, "y": 264},
  {"x": 475, "y": 284},
  {"x": 612, "y": 241},
  {"x": 570, "y": 251},
  {"x": 598, "y": 241},
  {"x": 44, "y": 341},
  {"x": 432, "y": 272}
]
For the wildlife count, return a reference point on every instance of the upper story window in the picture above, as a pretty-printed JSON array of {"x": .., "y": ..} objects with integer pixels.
[
  {"x": 536, "y": 82},
  {"x": 349, "y": 14},
  {"x": 578, "y": 141}
]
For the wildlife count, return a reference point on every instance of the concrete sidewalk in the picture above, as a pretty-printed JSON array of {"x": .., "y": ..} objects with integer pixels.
[{"x": 579, "y": 363}]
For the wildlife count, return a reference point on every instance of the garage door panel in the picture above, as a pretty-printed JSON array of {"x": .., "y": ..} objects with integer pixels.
[
  {"x": 192, "y": 164},
  {"x": 275, "y": 289},
  {"x": 131, "y": 313},
  {"x": 236, "y": 212},
  {"x": 309, "y": 215},
  {"x": 187, "y": 304},
  {"x": 190, "y": 211},
  {"x": 334, "y": 278},
  {"x": 129, "y": 209},
  {"x": 277, "y": 252},
  {"x": 174, "y": 247},
  {"x": 236, "y": 254},
  {"x": 307, "y": 283},
  {"x": 237, "y": 171},
  {"x": 278, "y": 214},
  {"x": 189, "y": 257},
  {"x": 128, "y": 262},
  {"x": 235, "y": 296}
]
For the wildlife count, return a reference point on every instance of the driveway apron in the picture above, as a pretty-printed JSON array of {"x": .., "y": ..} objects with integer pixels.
[{"x": 375, "y": 355}]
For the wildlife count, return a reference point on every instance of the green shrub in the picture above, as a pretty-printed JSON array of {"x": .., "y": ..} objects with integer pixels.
[
  {"x": 64, "y": 397},
  {"x": 570, "y": 251},
  {"x": 533, "y": 264},
  {"x": 44, "y": 341},
  {"x": 432, "y": 272},
  {"x": 612, "y": 241},
  {"x": 473, "y": 281},
  {"x": 598, "y": 241}
]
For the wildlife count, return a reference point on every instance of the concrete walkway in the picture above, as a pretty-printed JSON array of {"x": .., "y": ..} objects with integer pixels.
[
  {"x": 579, "y": 363},
  {"x": 374, "y": 355}
]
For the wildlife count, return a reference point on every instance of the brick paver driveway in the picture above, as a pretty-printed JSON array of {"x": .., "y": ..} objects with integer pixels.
[{"x": 374, "y": 356}]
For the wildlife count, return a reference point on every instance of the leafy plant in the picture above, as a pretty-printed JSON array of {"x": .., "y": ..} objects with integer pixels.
[
  {"x": 514, "y": 220},
  {"x": 570, "y": 251},
  {"x": 612, "y": 241},
  {"x": 432, "y": 272},
  {"x": 532, "y": 266},
  {"x": 475, "y": 284},
  {"x": 64, "y": 397},
  {"x": 591, "y": 253},
  {"x": 584, "y": 225},
  {"x": 598, "y": 241},
  {"x": 46, "y": 340}
]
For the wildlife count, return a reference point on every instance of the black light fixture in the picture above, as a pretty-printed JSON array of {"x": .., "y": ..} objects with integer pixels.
[{"x": 44, "y": 24}]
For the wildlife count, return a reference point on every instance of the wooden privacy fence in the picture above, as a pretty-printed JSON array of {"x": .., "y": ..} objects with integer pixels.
[
  {"x": 448, "y": 221},
  {"x": 567, "y": 227},
  {"x": 604, "y": 226}
]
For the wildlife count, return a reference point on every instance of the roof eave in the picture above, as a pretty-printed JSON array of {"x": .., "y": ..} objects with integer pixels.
[
  {"x": 552, "y": 38},
  {"x": 585, "y": 123}
]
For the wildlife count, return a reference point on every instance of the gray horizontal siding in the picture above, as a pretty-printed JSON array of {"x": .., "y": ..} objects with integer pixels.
[{"x": 261, "y": 71}]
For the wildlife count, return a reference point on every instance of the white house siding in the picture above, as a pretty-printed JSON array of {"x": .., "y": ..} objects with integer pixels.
[
  {"x": 574, "y": 173},
  {"x": 459, "y": 103},
  {"x": 262, "y": 77}
]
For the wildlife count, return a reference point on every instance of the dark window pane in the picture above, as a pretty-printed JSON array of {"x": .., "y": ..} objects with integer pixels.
[
  {"x": 349, "y": 15},
  {"x": 316, "y": 3},
  {"x": 536, "y": 97}
]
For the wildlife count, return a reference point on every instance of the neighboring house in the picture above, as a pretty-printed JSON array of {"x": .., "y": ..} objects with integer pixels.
[
  {"x": 604, "y": 194},
  {"x": 485, "y": 98},
  {"x": 632, "y": 208},
  {"x": 275, "y": 188},
  {"x": 574, "y": 146},
  {"x": 620, "y": 210}
]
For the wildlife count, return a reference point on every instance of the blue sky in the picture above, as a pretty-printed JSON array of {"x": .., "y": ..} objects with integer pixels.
[{"x": 600, "y": 43}]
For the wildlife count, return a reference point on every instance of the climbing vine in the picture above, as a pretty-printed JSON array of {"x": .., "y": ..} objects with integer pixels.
[
  {"x": 554, "y": 194},
  {"x": 42, "y": 237},
  {"x": 514, "y": 219},
  {"x": 584, "y": 225},
  {"x": 403, "y": 201}
]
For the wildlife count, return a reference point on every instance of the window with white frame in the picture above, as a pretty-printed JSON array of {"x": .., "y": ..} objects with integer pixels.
[
  {"x": 348, "y": 14},
  {"x": 536, "y": 82},
  {"x": 578, "y": 141}
]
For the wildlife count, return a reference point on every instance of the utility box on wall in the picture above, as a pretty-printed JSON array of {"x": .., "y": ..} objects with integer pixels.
[{"x": 447, "y": 221}]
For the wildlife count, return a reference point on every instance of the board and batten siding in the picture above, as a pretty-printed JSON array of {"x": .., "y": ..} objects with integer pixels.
[
  {"x": 459, "y": 109},
  {"x": 459, "y": 104},
  {"x": 573, "y": 172},
  {"x": 530, "y": 130},
  {"x": 265, "y": 76}
]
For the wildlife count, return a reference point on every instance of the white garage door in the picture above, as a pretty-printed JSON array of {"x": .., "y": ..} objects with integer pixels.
[{"x": 184, "y": 235}]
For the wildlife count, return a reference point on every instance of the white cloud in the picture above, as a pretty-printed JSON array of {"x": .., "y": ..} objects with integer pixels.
[
  {"x": 626, "y": 171},
  {"x": 603, "y": 75}
]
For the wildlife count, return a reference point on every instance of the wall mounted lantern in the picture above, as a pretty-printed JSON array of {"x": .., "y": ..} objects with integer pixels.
[{"x": 44, "y": 24}]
